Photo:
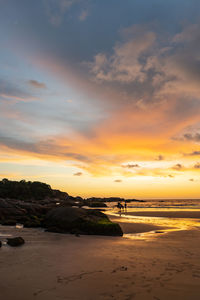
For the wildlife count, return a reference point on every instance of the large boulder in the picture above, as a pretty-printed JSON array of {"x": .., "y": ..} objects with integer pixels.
[
  {"x": 14, "y": 242},
  {"x": 81, "y": 221}
]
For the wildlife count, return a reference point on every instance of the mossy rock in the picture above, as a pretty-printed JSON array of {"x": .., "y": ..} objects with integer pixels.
[{"x": 82, "y": 221}]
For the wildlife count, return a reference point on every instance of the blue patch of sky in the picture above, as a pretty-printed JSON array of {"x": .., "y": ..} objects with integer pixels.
[{"x": 80, "y": 40}]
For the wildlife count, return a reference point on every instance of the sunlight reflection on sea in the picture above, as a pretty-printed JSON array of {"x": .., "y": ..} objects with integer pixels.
[{"x": 169, "y": 215}]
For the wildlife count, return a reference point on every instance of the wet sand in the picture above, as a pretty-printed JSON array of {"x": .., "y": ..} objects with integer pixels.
[
  {"x": 130, "y": 227},
  {"x": 167, "y": 213},
  {"x": 56, "y": 266}
]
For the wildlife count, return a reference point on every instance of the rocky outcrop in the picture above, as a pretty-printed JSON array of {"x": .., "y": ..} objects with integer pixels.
[
  {"x": 95, "y": 204},
  {"x": 57, "y": 216},
  {"x": 112, "y": 199},
  {"x": 15, "y": 242},
  {"x": 30, "y": 214},
  {"x": 80, "y": 221},
  {"x": 14, "y": 211}
]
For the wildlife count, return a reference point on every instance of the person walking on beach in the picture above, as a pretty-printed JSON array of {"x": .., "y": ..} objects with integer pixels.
[
  {"x": 120, "y": 206},
  {"x": 125, "y": 205}
]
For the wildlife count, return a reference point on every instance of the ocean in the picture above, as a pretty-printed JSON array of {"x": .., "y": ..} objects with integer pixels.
[{"x": 165, "y": 215}]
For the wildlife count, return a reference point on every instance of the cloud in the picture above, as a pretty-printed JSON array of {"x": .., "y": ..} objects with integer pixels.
[
  {"x": 78, "y": 174},
  {"x": 123, "y": 65},
  {"x": 77, "y": 156},
  {"x": 145, "y": 70},
  {"x": 178, "y": 167},
  {"x": 194, "y": 153},
  {"x": 49, "y": 147},
  {"x": 197, "y": 166},
  {"x": 160, "y": 157},
  {"x": 192, "y": 137},
  {"x": 129, "y": 166},
  {"x": 191, "y": 179},
  {"x": 118, "y": 180},
  {"x": 14, "y": 92},
  {"x": 56, "y": 9},
  {"x": 37, "y": 84}
]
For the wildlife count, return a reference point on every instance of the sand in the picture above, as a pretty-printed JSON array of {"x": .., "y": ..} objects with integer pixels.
[
  {"x": 56, "y": 266},
  {"x": 128, "y": 226}
]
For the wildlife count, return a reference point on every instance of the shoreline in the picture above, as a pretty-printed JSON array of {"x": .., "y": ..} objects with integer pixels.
[
  {"x": 191, "y": 214},
  {"x": 147, "y": 224},
  {"x": 134, "y": 228}
]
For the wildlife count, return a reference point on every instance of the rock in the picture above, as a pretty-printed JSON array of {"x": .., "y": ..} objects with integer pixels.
[
  {"x": 0, "y": 244},
  {"x": 81, "y": 221},
  {"x": 9, "y": 222},
  {"x": 96, "y": 204},
  {"x": 14, "y": 242}
]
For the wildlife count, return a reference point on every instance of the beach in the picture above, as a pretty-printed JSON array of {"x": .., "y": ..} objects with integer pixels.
[
  {"x": 149, "y": 262},
  {"x": 99, "y": 150}
]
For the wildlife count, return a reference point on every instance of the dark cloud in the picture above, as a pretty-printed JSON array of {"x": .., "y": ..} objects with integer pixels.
[
  {"x": 177, "y": 167},
  {"x": 193, "y": 153},
  {"x": 192, "y": 137},
  {"x": 197, "y": 166},
  {"x": 18, "y": 144},
  {"x": 129, "y": 166},
  {"x": 37, "y": 84},
  {"x": 160, "y": 157},
  {"x": 78, "y": 156},
  {"x": 118, "y": 180},
  {"x": 48, "y": 147},
  {"x": 78, "y": 174},
  {"x": 191, "y": 179},
  {"x": 10, "y": 90}
]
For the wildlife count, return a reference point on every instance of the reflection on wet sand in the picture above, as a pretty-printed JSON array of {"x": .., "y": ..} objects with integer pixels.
[{"x": 147, "y": 223}]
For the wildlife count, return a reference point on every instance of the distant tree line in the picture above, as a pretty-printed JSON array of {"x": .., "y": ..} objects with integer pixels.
[{"x": 25, "y": 190}]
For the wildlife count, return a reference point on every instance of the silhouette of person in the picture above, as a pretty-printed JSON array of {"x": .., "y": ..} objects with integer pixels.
[{"x": 120, "y": 206}]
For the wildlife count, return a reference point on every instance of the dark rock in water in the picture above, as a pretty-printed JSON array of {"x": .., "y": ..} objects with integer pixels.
[
  {"x": 80, "y": 221},
  {"x": 14, "y": 242},
  {"x": 110, "y": 199},
  {"x": 0, "y": 244},
  {"x": 96, "y": 204}
]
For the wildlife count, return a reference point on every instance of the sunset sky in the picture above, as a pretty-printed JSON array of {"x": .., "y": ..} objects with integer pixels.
[{"x": 101, "y": 97}]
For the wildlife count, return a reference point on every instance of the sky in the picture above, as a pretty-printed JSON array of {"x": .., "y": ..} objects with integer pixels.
[{"x": 101, "y": 98}]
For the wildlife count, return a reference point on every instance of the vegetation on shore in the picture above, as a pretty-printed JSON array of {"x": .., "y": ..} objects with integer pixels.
[{"x": 27, "y": 190}]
